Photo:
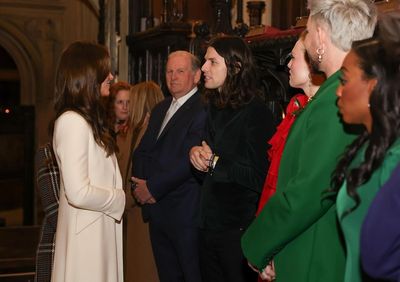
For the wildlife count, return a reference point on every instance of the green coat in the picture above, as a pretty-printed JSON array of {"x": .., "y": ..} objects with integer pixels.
[
  {"x": 296, "y": 227},
  {"x": 351, "y": 223}
]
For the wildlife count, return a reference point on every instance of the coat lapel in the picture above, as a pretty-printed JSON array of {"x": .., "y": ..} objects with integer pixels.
[
  {"x": 229, "y": 116},
  {"x": 158, "y": 117},
  {"x": 179, "y": 114}
]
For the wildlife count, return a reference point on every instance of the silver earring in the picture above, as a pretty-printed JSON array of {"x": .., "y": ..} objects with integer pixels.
[{"x": 320, "y": 52}]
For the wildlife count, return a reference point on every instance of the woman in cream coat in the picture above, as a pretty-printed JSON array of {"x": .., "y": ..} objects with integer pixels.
[{"x": 89, "y": 231}]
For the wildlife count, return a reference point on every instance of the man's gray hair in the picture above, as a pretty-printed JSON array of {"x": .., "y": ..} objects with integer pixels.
[
  {"x": 193, "y": 59},
  {"x": 345, "y": 20}
]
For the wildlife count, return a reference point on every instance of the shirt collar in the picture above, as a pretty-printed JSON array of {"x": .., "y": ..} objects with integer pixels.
[{"x": 186, "y": 97}]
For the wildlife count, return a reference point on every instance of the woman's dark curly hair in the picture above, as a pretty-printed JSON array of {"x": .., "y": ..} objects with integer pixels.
[
  {"x": 240, "y": 85},
  {"x": 377, "y": 61},
  {"x": 81, "y": 70}
]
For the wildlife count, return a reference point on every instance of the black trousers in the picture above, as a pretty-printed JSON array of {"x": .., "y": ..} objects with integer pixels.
[
  {"x": 176, "y": 252},
  {"x": 221, "y": 257}
]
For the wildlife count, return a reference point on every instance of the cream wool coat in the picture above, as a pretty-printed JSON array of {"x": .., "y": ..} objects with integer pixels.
[{"x": 89, "y": 231}]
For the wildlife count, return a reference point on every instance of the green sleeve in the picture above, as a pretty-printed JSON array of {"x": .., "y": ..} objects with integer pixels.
[{"x": 298, "y": 204}]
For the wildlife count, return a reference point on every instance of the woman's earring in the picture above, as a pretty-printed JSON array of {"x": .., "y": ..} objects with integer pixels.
[{"x": 320, "y": 52}]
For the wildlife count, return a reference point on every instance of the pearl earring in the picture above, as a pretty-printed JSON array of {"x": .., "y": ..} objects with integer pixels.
[{"x": 320, "y": 52}]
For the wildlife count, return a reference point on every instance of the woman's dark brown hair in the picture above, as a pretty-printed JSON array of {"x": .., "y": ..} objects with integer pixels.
[{"x": 81, "y": 70}]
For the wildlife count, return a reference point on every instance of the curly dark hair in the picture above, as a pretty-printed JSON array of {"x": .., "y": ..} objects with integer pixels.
[
  {"x": 81, "y": 70},
  {"x": 241, "y": 82},
  {"x": 376, "y": 60}
]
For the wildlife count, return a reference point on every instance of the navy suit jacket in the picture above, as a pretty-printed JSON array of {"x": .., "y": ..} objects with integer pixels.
[
  {"x": 164, "y": 162},
  {"x": 380, "y": 233}
]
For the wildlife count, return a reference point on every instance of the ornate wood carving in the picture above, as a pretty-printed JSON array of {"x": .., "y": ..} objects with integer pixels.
[
  {"x": 222, "y": 16},
  {"x": 256, "y": 9},
  {"x": 270, "y": 52},
  {"x": 285, "y": 12},
  {"x": 239, "y": 11},
  {"x": 149, "y": 50},
  {"x": 41, "y": 28}
]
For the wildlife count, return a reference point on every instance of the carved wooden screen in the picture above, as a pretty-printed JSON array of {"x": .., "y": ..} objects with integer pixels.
[
  {"x": 149, "y": 50},
  {"x": 285, "y": 12}
]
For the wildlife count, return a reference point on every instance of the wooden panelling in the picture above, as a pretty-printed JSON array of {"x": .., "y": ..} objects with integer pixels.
[
  {"x": 148, "y": 51},
  {"x": 17, "y": 252},
  {"x": 285, "y": 12},
  {"x": 16, "y": 156}
]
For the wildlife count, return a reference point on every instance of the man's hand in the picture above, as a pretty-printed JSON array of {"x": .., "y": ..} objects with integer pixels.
[
  {"x": 200, "y": 156},
  {"x": 141, "y": 192}
]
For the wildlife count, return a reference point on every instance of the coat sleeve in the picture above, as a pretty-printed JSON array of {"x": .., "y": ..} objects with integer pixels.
[
  {"x": 380, "y": 233},
  {"x": 249, "y": 171},
  {"x": 71, "y": 144},
  {"x": 297, "y": 206},
  {"x": 180, "y": 169},
  {"x": 141, "y": 156}
]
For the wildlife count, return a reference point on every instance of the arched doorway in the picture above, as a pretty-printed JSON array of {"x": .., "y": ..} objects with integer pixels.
[
  {"x": 9, "y": 80},
  {"x": 17, "y": 127},
  {"x": 11, "y": 186}
]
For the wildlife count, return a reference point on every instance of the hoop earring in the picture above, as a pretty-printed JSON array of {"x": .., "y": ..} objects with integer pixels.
[{"x": 320, "y": 52}]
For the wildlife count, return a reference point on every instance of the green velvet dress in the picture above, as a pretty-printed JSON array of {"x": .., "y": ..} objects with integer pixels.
[{"x": 351, "y": 222}]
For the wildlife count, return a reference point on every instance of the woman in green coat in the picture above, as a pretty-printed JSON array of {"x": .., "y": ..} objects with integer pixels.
[
  {"x": 369, "y": 95},
  {"x": 296, "y": 229}
]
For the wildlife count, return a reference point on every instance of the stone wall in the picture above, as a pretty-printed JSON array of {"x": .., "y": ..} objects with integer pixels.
[{"x": 34, "y": 33}]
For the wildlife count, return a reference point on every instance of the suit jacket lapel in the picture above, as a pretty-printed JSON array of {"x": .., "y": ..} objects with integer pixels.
[
  {"x": 159, "y": 116},
  {"x": 179, "y": 113}
]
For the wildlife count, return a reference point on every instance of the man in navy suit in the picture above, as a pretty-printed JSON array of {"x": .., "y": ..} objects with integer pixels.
[{"x": 164, "y": 182}]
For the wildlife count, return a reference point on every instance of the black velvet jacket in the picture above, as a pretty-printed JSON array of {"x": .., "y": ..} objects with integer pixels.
[{"x": 239, "y": 137}]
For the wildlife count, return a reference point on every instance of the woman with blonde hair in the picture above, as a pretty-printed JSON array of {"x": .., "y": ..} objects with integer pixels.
[
  {"x": 139, "y": 257},
  {"x": 142, "y": 99}
]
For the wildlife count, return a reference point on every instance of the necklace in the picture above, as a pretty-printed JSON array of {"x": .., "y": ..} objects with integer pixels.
[{"x": 301, "y": 108}]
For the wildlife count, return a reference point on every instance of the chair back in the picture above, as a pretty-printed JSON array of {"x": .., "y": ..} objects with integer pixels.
[{"x": 48, "y": 184}]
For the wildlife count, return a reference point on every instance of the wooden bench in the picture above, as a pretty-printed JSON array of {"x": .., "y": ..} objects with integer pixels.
[{"x": 17, "y": 253}]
